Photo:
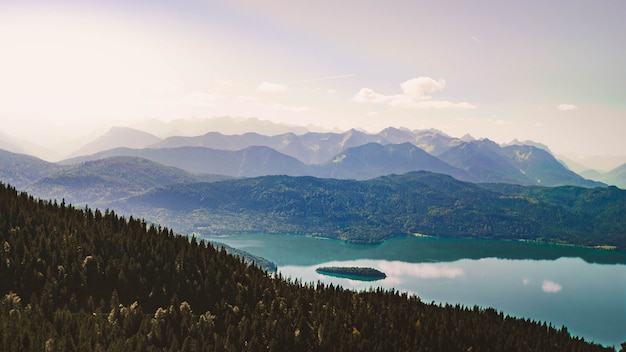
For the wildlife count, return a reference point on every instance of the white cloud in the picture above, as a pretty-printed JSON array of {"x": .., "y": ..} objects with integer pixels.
[
  {"x": 416, "y": 88},
  {"x": 413, "y": 97},
  {"x": 366, "y": 95},
  {"x": 550, "y": 286},
  {"x": 422, "y": 271},
  {"x": 270, "y": 87},
  {"x": 526, "y": 281},
  {"x": 567, "y": 107}
]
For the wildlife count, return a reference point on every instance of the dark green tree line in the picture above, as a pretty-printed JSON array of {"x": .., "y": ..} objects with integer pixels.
[{"x": 83, "y": 280}]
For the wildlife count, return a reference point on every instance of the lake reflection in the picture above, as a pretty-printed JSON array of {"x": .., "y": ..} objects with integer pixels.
[{"x": 555, "y": 285}]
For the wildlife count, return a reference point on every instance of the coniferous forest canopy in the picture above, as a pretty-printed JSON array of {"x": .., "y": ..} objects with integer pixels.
[
  {"x": 374, "y": 210},
  {"x": 84, "y": 280}
]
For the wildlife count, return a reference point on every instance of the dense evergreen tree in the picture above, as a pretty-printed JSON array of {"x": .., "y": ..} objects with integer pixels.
[
  {"x": 374, "y": 210},
  {"x": 83, "y": 280}
]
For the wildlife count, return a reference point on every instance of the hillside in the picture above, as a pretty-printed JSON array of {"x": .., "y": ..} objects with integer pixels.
[
  {"x": 99, "y": 182},
  {"x": 81, "y": 280},
  {"x": 21, "y": 170},
  {"x": 485, "y": 161},
  {"x": 373, "y": 160},
  {"x": 399, "y": 205},
  {"x": 252, "y": 161}
]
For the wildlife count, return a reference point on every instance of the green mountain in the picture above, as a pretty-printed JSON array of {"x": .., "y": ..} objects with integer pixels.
[
  {"x": 21, "y": 170},
  {"x": 398, "y": 205},
  {"x": 101, "y": 181},
  {"x": 83, "y": 280}
]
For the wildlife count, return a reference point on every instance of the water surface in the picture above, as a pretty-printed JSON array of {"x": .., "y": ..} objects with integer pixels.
[{"x": 583, "y": 289}]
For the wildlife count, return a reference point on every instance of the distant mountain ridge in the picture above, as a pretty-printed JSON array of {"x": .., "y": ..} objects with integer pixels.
[
  {"x": 20, "y": 170},
  {"x": 373, "y": 160},
  {"x": 315, "y": 147},
  {"x": 345, "y": 155},
  {"x": 350, "y": 155},
  {"x": 398, "y": 205},
  {"x": 251, "y": 161},
  {"x": 95, "y": 182},
  {"x": 118, "y": 137},
  {"x": 615, "y": 177}
]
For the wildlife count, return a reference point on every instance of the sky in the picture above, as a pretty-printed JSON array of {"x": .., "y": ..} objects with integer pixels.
[{"x": 549, "y": 71}]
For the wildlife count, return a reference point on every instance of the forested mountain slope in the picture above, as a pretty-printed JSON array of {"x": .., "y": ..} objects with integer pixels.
[
  {"x": 21, "y": 170},
  {"x": 99, "y": 182},
  {"x": 398, "y": 205},
  {"x": 83, "y": 280}
]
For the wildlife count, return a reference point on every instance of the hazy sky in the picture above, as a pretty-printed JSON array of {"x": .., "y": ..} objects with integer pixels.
[{"x": 549, "y": 71}]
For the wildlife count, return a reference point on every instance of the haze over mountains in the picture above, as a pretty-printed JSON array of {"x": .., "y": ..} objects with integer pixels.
[
  {"x": 352, "y": 154},
  {"x": 126, "y": 161},
  {"x": 172, "y": 181}
]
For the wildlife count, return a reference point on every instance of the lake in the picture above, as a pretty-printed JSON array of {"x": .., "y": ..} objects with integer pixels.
[{"x": 581, "y": 288}]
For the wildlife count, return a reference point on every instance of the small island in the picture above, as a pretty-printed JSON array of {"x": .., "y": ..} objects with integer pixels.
[{"x": 354, "y": 273}]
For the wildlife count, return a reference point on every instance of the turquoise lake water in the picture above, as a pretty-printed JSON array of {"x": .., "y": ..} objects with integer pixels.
[{"x": 583, "y": 289}]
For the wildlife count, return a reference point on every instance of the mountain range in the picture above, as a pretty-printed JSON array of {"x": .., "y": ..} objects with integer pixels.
[
  {"x": 355, "y": 155},
  {"x": 615, "y": 177},
  {"x": 373, "y": 187}
]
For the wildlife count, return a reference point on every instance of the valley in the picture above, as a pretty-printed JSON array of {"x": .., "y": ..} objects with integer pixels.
[{"x": 312, "y": 176}]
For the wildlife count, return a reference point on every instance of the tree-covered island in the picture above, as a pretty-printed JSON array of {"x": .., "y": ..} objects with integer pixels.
[{"x": 351, "y": 272}]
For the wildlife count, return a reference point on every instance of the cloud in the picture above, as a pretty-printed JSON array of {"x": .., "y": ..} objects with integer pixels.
[
  {"x": 269, "y": 87},
  {"x": 550, "y": 286},
  {"x": 417, "y": 87},
  {"x": 567, "y": 107},
  {"x": 422, "y": 271},
  {"x": 366, "y": 95},
  {"x": 415, "y": 96}
]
